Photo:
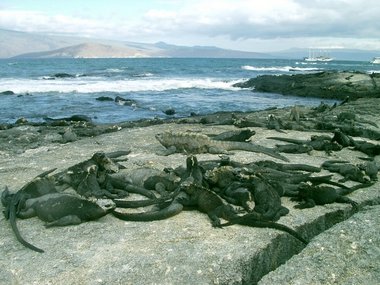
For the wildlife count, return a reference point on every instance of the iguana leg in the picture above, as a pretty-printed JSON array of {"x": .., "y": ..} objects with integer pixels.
[
  {"x": 213, "y": 215},
  {"x": 309, "y": 203},
  {"x": 343, "y": 199},
  {"x": 26, "y": 214},
  {"x": 161, "y": 189},
  {"x": 216, "y": 150},
  {"x": 283, "y": 211},
  {"x": 168, "y": 151},
  {"x": 64, "y": 221}
]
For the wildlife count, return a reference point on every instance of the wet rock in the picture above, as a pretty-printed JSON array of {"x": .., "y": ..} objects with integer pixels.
[
  {"x": 8, "y": 92},
  {"x": 169, "y": 112},
  {"x": 21, "y": 121},
  {"x": 104, "y": 98},
  {"x": 330, "y": 84},
  {"x": 73, "y": 118},
  {"x": 122, "y": 101},
  {"x": 63, "y": 75},
  {"x": 69, "y": 136}
]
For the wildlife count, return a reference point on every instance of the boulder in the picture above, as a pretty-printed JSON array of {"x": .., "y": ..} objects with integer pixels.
[{"x": 329, "y": 84}]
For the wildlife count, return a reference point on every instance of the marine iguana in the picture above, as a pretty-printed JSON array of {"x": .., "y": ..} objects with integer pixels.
[
  {"x": 287, "y": 166},
  {"x": 194, "y": 143},
  {"x": 294, "y": 148},
  {"x": 143, "y": 180},
  {"x": 321, "y": 143},
  {"x": 237, "y": 136},
  {"x": 347, "y": 170},
  {"x": 62, "y": 209},
  {"x": 89, "y": 177},
  {"x": 223, "y": 181},
  {"x": 363, "y": 146},
  {"x": 40, "y": 185},
  {"x": 320, "y": 195},
  {"x": 174, "y": 208},
  {"x": 192, "y": 172},
  {"x": 267, "y": 199},
  {"x": 210, "y": 203},
  {"x": 255, "y": 220},
  {"x": 59, "y": 209},
  {"x": 351, "y": 117},
  {"x": 14, "y": 202},
  {"x": 141, "y": 203},
  {"x": 370, "y": 167}
]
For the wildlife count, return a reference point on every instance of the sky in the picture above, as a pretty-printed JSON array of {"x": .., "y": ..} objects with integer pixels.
[{"x": 250, "y": 25}]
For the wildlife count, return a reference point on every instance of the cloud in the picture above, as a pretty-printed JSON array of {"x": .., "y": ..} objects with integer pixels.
[
  {"x": 35, "y": 21},
  {"x": 271, "y": 19},
  {"x": 227, "y": 19}
]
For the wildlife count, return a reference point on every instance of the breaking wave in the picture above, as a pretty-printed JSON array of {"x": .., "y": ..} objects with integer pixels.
[
  {"x": 279, "y": 68},
  {"x": 80, "y": 85}
]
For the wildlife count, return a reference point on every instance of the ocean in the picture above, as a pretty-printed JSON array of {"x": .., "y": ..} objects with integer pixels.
[{"x": 57, "y": 88}]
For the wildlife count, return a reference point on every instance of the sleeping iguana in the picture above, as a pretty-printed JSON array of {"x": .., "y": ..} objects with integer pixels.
[{"x": 194, "y": 143}]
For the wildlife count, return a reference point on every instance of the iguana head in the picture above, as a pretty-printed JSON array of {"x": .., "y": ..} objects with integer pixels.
[
  {"x": 106, "y": 204},
  {"x": 191, "y": 162},
  {"x": 164, "y": 138}
]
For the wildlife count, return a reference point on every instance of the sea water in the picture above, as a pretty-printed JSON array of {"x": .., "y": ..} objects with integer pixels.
[{"x": 58, "y": 88}]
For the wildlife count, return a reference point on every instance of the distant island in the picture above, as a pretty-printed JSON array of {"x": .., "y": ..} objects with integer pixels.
[
  {"x": 98, "y": 50},
  {"x": 15, "y": 44}
]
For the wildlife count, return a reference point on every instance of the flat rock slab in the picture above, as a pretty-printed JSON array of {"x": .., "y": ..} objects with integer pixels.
[
  {"x": 347, "y": 253},
  {"x": 184, "y": 249}
]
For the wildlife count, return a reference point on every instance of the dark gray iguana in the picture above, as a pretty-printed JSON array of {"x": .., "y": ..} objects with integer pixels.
[
  {"x": 311, "y": 195},
  {"x": 210, "y": 203},
  {"x": 193, "y": 143},
  {"x": 14, "y": 202}
]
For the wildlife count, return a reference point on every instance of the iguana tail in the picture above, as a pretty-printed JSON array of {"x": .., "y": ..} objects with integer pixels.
[
  {"x": 252, "y": 221},
  {"x": 255, "y": 148},
  {"x": 301, "y": 167},
  {"x": 141, "y": 203},
  {"x": 348, "y": 190},
  {"x": 170, "y": 211},
  {"x": 12, "y": 220},
  {"x": 289, "y": 140}
]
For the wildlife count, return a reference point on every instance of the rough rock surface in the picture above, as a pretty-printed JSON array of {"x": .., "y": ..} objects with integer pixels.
[
  {"x": 347, "y": 253},
  {"x": 184, "y": 249},
  {"x": 329, "y": 84}
]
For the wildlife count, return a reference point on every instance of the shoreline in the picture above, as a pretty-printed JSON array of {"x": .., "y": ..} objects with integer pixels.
[
  {"x": 325, "y": 85},
  {"x": 184, "y": 249},
  {"x": 23, "y": 135}
]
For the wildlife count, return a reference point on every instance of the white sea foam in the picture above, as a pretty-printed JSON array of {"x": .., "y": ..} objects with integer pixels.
[
  {"x": 114, "y": 70},
  {"x": 147, "y": 74},
  {"x": 81, "y": 85},
  {"x": 279, "y": 68}
]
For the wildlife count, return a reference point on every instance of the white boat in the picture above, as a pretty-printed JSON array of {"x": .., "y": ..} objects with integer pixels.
[
  {"x": 318, "y": 56},
  {"x": 376, "y": 60}
]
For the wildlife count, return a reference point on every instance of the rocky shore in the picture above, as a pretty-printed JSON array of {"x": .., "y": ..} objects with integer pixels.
[
  {"x": 328, "y": 84},
  {"x": 186, "y": 249}
]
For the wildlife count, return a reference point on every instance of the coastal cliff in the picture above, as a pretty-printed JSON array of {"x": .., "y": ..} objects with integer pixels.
[{"x": 329, "y": 84}]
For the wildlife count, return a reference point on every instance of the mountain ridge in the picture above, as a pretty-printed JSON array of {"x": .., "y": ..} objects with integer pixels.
[{"x": 16, "y": 44}]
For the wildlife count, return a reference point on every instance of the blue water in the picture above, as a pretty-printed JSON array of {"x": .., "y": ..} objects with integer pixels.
[{"x": 199, "y": 86}]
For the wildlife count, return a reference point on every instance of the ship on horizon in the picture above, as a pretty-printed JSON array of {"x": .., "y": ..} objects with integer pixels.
[
  {"x": 318, "y": 55},
  {"x": 376, "y": 60}
]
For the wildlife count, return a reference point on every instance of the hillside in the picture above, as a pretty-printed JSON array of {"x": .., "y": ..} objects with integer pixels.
[
  {"x": 89, "y": 50},
  {"x": 128, "y": 50},
  {"x": 33, "y": 45}
]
